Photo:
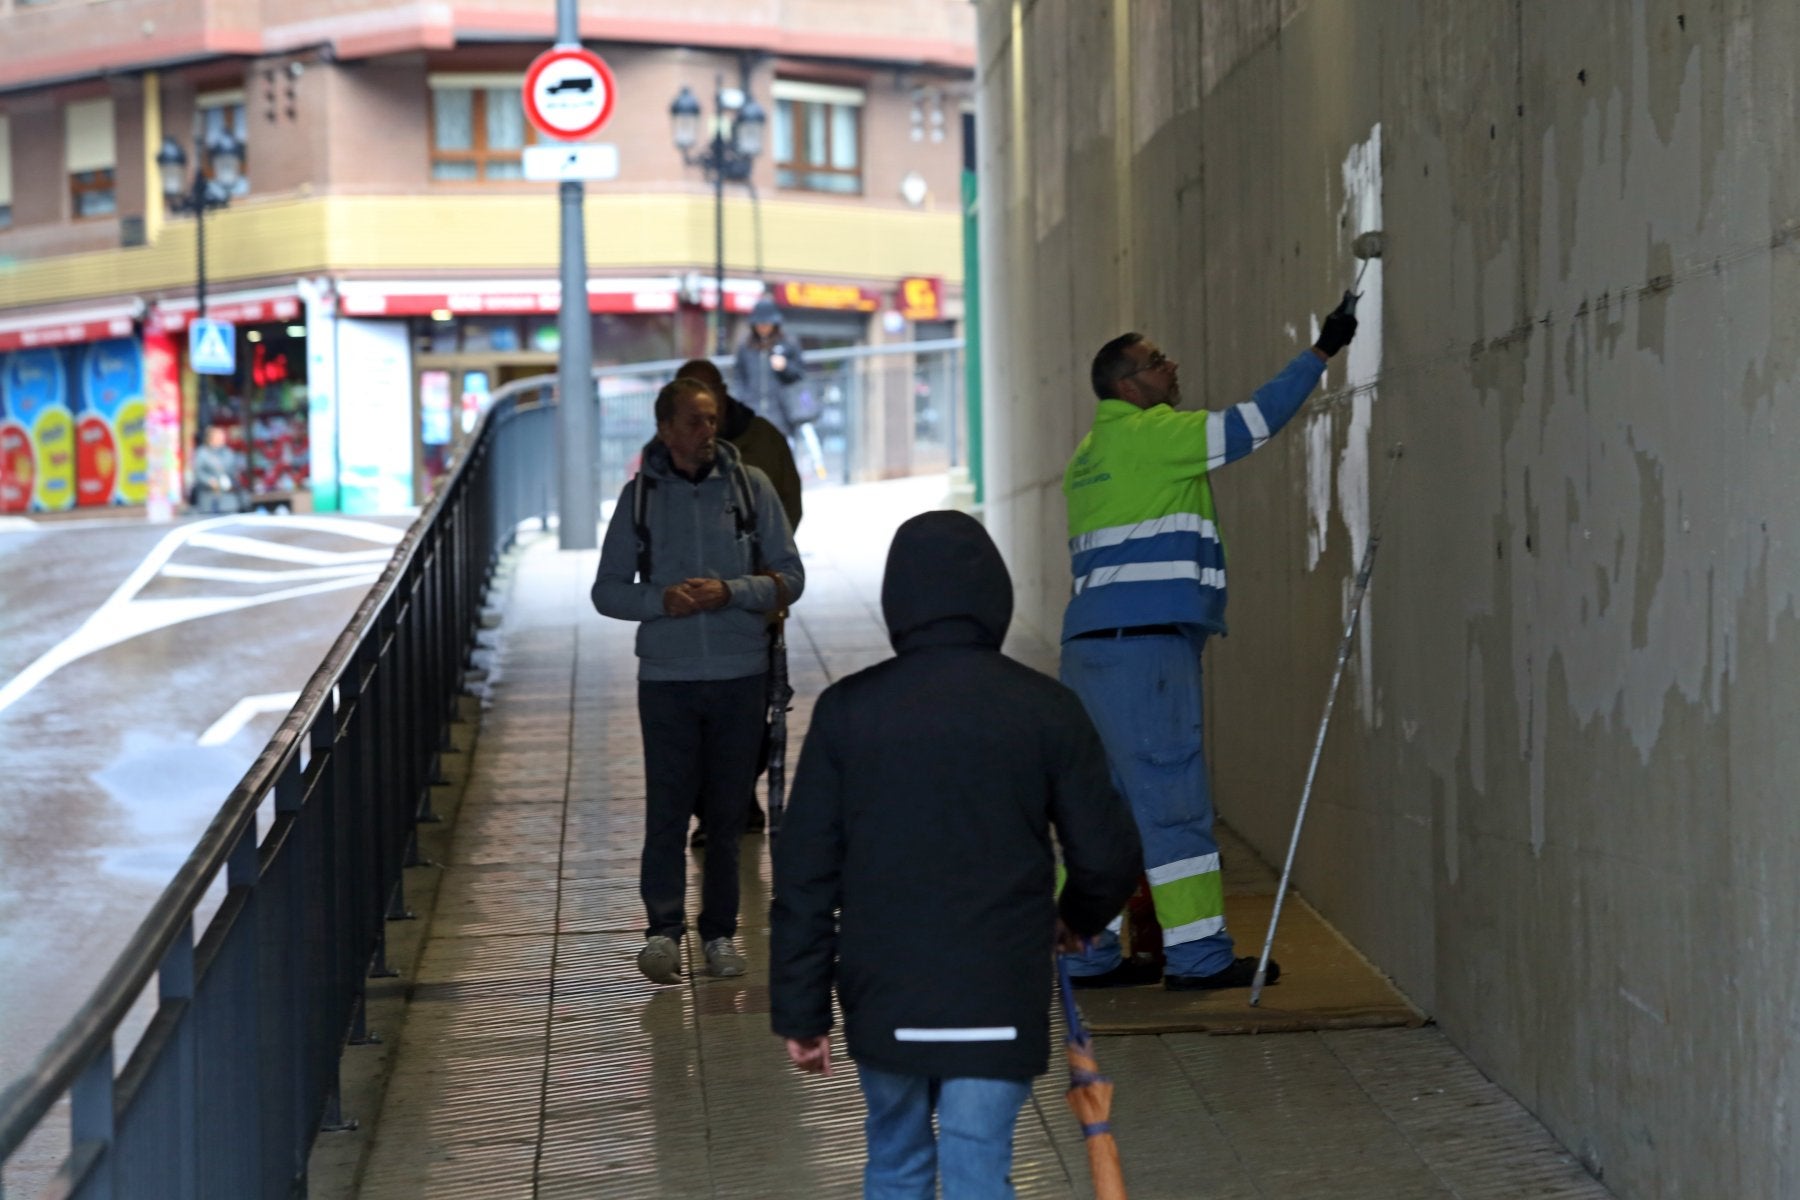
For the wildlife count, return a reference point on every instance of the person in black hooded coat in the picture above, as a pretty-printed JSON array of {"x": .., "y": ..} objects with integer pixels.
[{"x": 916, "y": 869}]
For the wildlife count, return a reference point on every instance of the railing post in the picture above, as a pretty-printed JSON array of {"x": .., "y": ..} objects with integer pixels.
[
  {"x": 91, "y": 1123},
  {"x": 175, "y": 985}
]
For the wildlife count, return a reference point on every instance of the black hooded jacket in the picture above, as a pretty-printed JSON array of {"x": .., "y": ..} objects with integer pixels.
[{"x": 915, "y": 867}]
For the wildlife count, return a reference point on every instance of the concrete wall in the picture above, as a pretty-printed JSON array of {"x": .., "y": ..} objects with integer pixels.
[{"x": 1557, "y": 803}]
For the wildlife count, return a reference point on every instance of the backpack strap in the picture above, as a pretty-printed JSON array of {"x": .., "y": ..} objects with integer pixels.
[
  {"x": 640, "y": 522},
  {"x": 744, "y": 508}
]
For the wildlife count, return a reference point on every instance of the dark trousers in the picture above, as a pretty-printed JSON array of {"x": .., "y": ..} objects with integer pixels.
[{"x": 700, "y": 747}]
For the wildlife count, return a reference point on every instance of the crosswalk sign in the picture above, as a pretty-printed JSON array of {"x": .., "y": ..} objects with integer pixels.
[{"x": 212, "y": 347}]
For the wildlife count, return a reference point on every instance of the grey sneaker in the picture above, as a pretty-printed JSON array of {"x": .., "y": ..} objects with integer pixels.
[
  {"x": 660, "y": 960},
  {"x": 723, "y": 959}
]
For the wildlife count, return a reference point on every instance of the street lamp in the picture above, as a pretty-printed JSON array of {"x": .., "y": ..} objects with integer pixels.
[
  {"x": 737, "y": 139},
  {"x": 211, "y": 187}
]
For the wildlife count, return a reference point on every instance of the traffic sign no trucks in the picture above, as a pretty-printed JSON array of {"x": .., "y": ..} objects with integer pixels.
[{"x": 569, "y": 93}]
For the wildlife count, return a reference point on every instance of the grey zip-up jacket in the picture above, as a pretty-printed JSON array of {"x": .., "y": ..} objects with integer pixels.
[{"x": 694, "y": 535}]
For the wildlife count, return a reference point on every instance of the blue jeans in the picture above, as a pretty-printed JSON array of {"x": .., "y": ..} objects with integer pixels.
[
  {"x": 972, "y": 1148},
  {"x": 1143, "y": 694}
]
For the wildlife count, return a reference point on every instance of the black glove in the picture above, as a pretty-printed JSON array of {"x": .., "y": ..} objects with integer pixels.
[{"x": 1339, "y": 328}]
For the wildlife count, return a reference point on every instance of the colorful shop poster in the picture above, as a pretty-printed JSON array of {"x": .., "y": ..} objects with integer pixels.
[
  {"x": 110, "y": 460},
  {"x": 18, "y": 464},
  {"x": 34, "y": 388}
]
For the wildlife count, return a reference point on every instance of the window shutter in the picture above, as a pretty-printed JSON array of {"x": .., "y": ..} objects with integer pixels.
[
  {"x": 5, "y": 160},
  {"x": 88, "y": 140}
]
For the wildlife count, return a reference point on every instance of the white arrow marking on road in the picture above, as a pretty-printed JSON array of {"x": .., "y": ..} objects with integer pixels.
[
  {"x": 241, "y": 713},
  {"x": 123, "y": 616}
]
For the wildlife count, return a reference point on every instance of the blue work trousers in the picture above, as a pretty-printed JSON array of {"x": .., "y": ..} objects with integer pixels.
[
  {"x": 971, "y": 1149},
  {"x": 1143, "y": 694}
]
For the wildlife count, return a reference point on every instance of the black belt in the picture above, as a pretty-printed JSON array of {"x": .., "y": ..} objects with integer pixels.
[{"x": 1133, "y": 631}]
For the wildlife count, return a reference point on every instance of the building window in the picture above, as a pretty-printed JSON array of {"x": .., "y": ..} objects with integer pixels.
[
  {"x": 219, "y": 113},
  {"x": 478, "y": 128},
  {"x": 91, "y": 193},
  {"x": 818, "y": 137},
  {"x": 89, "y": 155}
]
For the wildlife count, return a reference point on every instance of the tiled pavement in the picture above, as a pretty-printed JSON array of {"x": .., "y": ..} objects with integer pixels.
[{"x": 535, "y": 1061}]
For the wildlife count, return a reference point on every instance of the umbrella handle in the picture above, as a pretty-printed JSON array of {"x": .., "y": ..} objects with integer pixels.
[{"x": 1077, "y": 1031}]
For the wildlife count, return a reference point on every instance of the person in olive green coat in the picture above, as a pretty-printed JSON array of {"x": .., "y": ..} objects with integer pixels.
[{"x": 757, "y": 440}]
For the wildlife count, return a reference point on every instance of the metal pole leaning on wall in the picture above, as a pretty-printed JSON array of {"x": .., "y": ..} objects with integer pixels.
[
  {"x": 579, "y": 513},
  {"x": 1364, "y": 571}
]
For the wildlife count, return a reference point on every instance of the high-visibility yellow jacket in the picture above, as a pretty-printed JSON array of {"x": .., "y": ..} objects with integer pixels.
[{"x": 1144, "y": 543}]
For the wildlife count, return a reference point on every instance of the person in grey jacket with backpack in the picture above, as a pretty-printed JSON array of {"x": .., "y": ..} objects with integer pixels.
[{"x": 699, "y": 553}]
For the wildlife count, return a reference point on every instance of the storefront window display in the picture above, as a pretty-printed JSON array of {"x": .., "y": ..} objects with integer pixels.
[
  {"x": 263, "y": 410},
  {"x": 463, "y": 360},
  {"x": 616, "y": 337}
]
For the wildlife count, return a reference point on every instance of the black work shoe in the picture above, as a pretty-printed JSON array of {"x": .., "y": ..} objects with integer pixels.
[
  {"x": 1241, "y": 973},
  {"x": 1133, "y": 972},
  {"x": 697, "y": 841},
  {"x": 758, "y": 819}
]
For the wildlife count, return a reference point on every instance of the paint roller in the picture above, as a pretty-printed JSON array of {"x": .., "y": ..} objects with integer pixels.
[{"x": 1368, "y": 245}]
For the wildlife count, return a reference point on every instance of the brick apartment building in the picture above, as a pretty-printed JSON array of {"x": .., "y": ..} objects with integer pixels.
[{"x": 384, "y": 263}]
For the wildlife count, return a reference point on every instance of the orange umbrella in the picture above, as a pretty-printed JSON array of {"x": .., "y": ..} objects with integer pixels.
[{"x": 1090, "y": 1098}]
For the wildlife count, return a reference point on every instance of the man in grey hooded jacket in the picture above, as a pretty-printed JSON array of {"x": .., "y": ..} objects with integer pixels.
[{"x": 713, "y": 559}]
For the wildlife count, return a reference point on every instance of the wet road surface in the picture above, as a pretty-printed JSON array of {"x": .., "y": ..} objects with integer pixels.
[{"x": 142, "y": 667}]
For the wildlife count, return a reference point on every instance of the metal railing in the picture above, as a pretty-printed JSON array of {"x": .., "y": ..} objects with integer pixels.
[
  {"x": 877, "y": 411},
  {"x": 237, "y": 1071}
]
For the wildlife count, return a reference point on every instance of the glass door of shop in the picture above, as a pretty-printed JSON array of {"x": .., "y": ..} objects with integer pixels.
[{"x": 452, "y": 391}]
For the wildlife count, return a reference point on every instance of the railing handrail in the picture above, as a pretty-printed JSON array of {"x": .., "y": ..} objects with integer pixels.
[{"x": 34, "y": 1092}]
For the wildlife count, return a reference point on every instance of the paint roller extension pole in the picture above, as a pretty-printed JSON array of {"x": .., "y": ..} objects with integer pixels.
[{"x": 1356, "y": 602}]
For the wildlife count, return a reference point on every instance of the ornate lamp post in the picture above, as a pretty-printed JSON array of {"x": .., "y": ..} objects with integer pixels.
[
  {"x": 209, "y": 188},
  {"x": 729, "y": 154}
]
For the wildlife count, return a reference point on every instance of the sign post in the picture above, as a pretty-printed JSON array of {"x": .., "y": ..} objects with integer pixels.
[{"x": 568, "y": 96}]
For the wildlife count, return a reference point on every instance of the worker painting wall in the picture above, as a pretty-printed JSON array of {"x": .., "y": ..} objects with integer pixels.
[{"x": 1556, "y": 804}]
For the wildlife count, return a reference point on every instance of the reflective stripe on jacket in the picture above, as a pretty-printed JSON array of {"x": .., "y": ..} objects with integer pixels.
[{"x": 1144, "y": 543}]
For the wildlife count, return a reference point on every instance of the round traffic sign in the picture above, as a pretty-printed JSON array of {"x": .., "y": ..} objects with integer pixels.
[{"x": 569, "y": 93}]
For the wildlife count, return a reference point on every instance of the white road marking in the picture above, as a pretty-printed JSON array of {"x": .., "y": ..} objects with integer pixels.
[
  {"x": 241, "y": 714},
  {"x": 231, "y": 543},
  {"x": 368, "y": 531},
  {"x": 256, "y": 575},
  {"x": 123, "y": 616}
]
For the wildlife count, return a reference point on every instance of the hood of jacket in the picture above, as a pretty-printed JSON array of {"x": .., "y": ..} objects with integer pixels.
[
  {"x": 657, "y": 464},
  {"x": 945, "y": 584}
]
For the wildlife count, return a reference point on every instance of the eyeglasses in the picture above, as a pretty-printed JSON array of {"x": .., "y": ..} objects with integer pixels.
[{"x": 1156, "y": 362}]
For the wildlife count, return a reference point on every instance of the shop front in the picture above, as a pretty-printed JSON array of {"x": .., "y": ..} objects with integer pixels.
[
  {"x": 263, "y": 406},
  {"x": 468, "y": 339},
  {"x": 72, "y": 412}
]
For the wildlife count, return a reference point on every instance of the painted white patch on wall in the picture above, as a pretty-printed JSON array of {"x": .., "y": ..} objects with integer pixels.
[
  {"x": 1318, "y": 487},
  {"x": 1361, "y": 212}
]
